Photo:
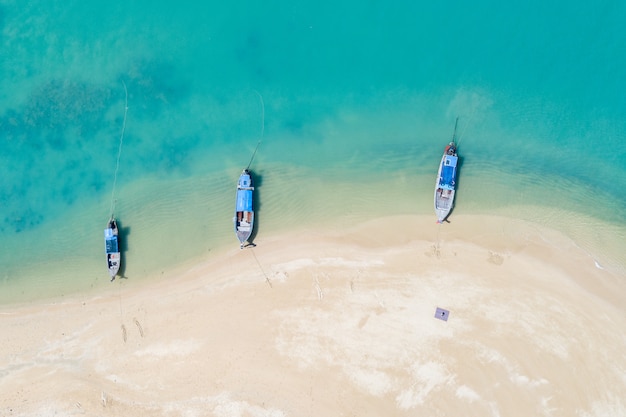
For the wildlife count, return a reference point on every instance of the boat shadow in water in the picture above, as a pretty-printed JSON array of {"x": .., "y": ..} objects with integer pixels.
[
  {"x": 123, "y": 233},
  {"x": 257, "y": 180}
]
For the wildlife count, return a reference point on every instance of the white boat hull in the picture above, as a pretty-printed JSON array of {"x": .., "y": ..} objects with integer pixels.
[
  {"x": 443, "y": 204},
  {"x": 113, "y": 261}
]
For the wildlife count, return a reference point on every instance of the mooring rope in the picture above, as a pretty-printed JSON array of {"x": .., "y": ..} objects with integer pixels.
[
  {"x": 437, "y": 247},
  {"x": 262, "y": 129},
  {"x": 262, "y": 114},
  {"x": 119, "y": 152},
  {"x": 464, "y": 128},
  {"x": 267, "y": 279}
]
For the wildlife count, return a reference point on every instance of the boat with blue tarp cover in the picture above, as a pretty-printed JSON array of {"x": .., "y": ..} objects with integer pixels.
[
  {"x": 112, "y": 248},
  {"x": 244, "y": 210},
  {"x": 445, "y": 186}
]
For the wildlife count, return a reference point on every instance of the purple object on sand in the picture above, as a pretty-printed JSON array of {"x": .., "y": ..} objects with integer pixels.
[{"x": 442, "y": 314}]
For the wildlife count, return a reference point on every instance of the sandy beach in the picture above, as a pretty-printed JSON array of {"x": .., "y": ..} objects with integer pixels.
[{"x": 327, "y": 323}]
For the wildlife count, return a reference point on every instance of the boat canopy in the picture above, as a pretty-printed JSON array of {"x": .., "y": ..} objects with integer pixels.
[
  {"x": 245, "y": 181},
  {"x": 244, "y": 200},
  {"x": 110, "y": 241},
  {"x": 448, "y": 172}
]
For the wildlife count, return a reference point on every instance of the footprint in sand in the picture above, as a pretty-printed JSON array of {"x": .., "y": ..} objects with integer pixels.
[
  {"x": 280, "y": 276},
  {"x": 320, "y": 292},
  {"x": 495, "y": 258},
  {"x": 434, "y": 251},
  {"x": 138, "y": 326}
]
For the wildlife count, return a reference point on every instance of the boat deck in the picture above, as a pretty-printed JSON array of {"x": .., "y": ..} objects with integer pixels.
[{"x": 444, "y": 200}]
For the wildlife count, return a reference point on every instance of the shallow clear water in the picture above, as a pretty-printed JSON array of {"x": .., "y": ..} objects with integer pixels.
[{"x": 353, "y": 102}]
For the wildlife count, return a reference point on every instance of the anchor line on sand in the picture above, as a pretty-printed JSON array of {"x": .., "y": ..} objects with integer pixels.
[
  {"x": 119, "y": 293},
  {"x": 437, "y": 246},
  {"x": 267, "y": 279},
  {"x": 119, "y": 152}
]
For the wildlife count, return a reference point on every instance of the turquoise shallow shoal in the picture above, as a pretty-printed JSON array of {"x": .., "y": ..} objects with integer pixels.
[{"x": 353, "y": 102}]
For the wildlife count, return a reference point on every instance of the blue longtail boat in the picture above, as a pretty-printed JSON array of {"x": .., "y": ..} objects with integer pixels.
[
  {"x": 445, "y": 187},
  {"x": 244, "y": 210},
  {"x": 112, "y": 248}
]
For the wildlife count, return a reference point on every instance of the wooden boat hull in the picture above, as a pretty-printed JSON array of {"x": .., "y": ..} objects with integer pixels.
[
  {"x": 444, "y": 201},
  {"x": 111, "y": 244},
  {"x": 244, "y": 209}
]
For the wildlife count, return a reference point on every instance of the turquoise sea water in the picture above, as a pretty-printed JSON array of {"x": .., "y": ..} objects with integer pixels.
[{"x": 353, "y": 101}]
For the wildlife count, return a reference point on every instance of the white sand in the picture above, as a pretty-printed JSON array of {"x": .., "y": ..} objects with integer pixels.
[{"x": 337, "y": 325}]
